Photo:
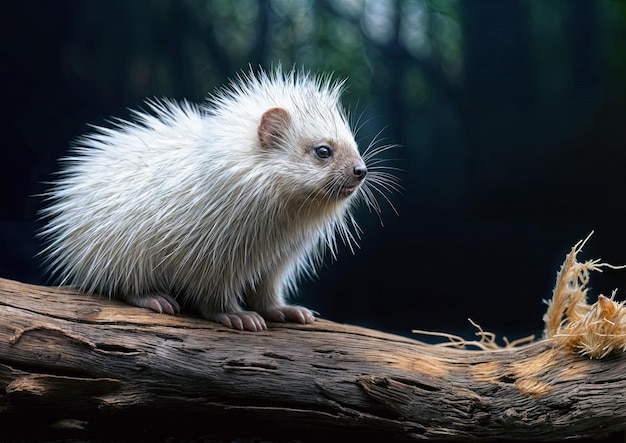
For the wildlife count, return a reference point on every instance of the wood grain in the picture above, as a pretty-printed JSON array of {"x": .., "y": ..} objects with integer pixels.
[{"x": 68, "y": 358}]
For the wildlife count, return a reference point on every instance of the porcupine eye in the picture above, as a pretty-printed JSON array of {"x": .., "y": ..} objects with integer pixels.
[{"x": 323, "y": 152}]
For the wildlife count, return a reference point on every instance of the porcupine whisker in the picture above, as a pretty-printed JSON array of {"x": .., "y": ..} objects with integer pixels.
[
  {"x": 373, "y": 185},
  {"x": 359, "y": 124},
  {"x": 386, "y": 180},
  {"x": 370, "y": 155},
  {"x": 376, "y": 139}
]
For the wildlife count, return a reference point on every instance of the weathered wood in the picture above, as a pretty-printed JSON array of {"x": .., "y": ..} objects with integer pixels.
[{"x": 66, "y": 356}]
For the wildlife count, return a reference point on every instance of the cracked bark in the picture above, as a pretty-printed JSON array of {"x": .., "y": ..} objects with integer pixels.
[{"x": 106, "y": 367}]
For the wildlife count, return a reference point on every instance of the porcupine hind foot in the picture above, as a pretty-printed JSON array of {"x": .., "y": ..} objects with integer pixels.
[{"x": 161, "y": 303}]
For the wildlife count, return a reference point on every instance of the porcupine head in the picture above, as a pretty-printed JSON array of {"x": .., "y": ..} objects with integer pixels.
[{"x": 220, "y": 207}]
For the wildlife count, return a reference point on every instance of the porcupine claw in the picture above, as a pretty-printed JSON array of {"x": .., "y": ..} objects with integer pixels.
[{"x": 161, "y": 303}]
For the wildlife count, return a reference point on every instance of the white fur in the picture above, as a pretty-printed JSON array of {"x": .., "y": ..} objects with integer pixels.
[{"x": 184, "y": 201}]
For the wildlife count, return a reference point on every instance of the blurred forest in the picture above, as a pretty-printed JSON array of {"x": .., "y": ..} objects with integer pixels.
[{"x": 511, "y": 115}]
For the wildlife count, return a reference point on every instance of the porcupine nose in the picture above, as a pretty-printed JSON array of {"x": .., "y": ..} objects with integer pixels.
[{"x": 359, "y": 171}]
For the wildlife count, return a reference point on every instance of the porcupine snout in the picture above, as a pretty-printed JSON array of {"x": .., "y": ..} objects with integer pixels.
[
  {"x": 359, "y": 171},
  {"x": 353, "y": 178}
]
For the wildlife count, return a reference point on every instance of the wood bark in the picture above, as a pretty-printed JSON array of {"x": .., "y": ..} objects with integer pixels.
[{"x": 69, "y": 359}]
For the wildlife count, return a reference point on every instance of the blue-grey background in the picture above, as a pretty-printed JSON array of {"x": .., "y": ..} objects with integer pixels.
[{"x": 511, "y": 114}]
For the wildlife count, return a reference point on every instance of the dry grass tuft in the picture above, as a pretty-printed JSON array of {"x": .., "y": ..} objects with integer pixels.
[{"x": 596, "y": 330}]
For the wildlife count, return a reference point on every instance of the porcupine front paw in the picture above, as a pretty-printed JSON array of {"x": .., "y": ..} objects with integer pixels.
[
  {"x": 242, "y": 320},
  {"x": 290, "y": 313},
  {"x": 161, "y": 303}
]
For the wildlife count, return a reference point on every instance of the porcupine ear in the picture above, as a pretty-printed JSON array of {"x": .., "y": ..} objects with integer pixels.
[{"x": 274, "y": 125}]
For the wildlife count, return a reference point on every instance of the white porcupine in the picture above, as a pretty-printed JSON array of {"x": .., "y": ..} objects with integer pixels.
[{"x": 213, "y": 205}]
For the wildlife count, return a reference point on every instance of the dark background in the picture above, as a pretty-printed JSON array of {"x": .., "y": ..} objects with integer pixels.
[{"x": 511, "y": 114}]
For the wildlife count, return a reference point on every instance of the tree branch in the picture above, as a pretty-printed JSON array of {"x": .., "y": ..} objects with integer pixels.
[{"x": 94, "y": 363}]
